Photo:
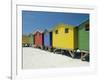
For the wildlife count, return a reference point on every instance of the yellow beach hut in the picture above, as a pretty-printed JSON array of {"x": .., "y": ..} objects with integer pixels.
[{"x": 65, "y": 36}]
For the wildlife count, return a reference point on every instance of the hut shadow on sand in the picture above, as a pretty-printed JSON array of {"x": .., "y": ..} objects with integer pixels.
[{"x": 76, "y": 56}]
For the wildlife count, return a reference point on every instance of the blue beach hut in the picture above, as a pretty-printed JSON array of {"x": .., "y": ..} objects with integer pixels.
[{"x": 47, "y": 40}]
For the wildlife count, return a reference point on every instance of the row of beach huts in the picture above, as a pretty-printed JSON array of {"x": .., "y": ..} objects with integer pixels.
[{"x": 63, "y": 37}]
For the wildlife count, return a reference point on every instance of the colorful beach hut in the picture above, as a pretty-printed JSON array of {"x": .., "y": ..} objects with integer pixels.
[
  {"x": 38, "y": 39},
  {"x": 83, "y": 36},
  {"x": 31, "y": 39},
  {"x": 83, "y": 39},
  {"x": 47, "y": 40},
  {"x": 65, "y": 37},
  {"x": 25, "y": 41}
]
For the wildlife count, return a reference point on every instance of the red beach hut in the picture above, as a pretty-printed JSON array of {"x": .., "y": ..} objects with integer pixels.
[{"x": 38, "y": 39}]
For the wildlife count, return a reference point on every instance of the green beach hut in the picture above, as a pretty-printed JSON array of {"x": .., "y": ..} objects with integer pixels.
[
  {"x": 83, "y": 36},
  {"x": 31, "y": 39}
]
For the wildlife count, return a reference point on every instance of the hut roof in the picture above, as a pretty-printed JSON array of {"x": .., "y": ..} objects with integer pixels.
[
  {"x": 37, "y": 32},
  {"x": 40, "y": 30},
  {"x": 46, "y": 31},
  {"x": 83, "y": 22},
  {"x": 62, "y": 24}
]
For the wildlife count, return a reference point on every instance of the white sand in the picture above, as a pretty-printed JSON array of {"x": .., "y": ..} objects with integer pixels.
[{"x": 36, "y": 58}]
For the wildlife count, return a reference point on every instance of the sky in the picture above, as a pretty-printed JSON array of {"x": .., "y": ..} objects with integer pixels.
[{"x": 36, "y": 20}]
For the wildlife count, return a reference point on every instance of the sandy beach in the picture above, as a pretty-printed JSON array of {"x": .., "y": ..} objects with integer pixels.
[{"x": 36, "y": 58}]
